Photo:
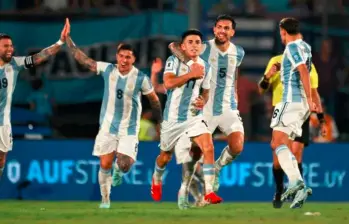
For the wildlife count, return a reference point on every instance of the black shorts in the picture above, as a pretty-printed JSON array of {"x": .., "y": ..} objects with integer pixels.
[{"x": 305, "y": 133}]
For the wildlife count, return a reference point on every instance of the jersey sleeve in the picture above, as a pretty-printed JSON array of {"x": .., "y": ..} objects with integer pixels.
[
  {"x": 314, "y": 78},
  {"x": 207, "y": 80},
  {"x": 240, "y": 53},
  {"x": 147, "y": 87},
  {"x": 20, "y": 62},
  {"x": 295, "y": 55},
  {"x": 104, "y": 68},
  {"x": 171, "y": 65}
]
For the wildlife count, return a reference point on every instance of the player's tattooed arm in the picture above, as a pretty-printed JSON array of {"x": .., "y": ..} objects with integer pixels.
[
  {"x": 81, "y": 57},
  {"x": 155, "y": 105},
  {"x": 43, "y": 55},
  {"x": 176, "y": 51},
  {"x": 205, "y": 94}
]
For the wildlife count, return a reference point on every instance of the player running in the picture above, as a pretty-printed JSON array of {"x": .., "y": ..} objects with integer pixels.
[
  {"x": 182, "y": 114},
  {"x": 120, "y": 113},
  {"x": 192, "y": 174},
  {"x": 10, "y": 67},
  {"x": 294, "y": 108},
  {"x": 221, "y": 109},
  {"x": 271, "y": 79}
]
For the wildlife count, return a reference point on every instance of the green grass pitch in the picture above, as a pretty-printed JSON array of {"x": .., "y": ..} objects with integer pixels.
[{"x": 13, "y": 212}]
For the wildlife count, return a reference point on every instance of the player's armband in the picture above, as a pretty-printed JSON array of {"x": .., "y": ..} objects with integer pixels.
[
  {"x": 29, "y": 62},
  {"x": 264, "y": 83}
]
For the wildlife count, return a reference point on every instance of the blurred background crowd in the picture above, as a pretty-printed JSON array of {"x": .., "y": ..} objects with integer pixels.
[{"x": 61, "y": 100}]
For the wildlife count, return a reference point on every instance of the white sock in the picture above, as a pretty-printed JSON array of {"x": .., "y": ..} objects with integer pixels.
[
  {"x": 224, "y": 159},
  {"x": 290, "y": 167},
  {"x": 295, "y": 164},
  {"x": 158, "y": 172},
  {"x": 209, "y": 177},
  {"x": 104, "y": 179}
]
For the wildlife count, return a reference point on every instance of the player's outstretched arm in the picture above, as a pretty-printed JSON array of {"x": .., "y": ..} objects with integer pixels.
[
  {"x": 155, "y": 105},
  {"x": 46, "y": 53},
  {"x": 81, "y": 57}
]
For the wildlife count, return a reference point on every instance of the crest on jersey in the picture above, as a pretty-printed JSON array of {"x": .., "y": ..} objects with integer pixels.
[
  {"x": 169, "y": 65},
  {"x": 112, "y": 78},
  {"x": 213, "y": 60},
  {"x": 8, "y": 69},
  {"x": 130, "y": 86}
]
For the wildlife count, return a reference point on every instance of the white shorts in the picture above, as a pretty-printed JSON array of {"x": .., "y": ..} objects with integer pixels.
[
  {"x": 107, "y": 143},
  {"x": 6, "y": 141},
  {"x": 172, "y": 131},
  {"x": 289, "y": 118},
  {"x": 182, "y": 150},
  {"x": 228, "y": 122}
]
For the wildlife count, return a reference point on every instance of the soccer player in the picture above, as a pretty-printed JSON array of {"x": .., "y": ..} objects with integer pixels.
[
  {"x": 10, "y": 67},
  {"x": 182, "y": 114},
  {"x": 221, "y": 109},
  {"x": 120, "y": 113},
  {"x": 184, "y": 156},
  {"x": 294, "y": 108},
  {"x": 271, "y": 79}
]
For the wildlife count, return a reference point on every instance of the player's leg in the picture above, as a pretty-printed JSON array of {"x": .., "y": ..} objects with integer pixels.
[
  {"x": 6, "y": 143},
  {"x": 278, "y": 174},
  {"x": 300, "y": 143},
  {"x": 126, "y": 155},
  {"x": 105, "y": 147},
  {"x": 170, "y": 133},
  {"x": 2, "y": 162},
  {"x": 231, "y": 124},
  {"x": 204, "y": 141},
  {"x": 197, "y": 186},
  {"x": 104, "y": 178}
]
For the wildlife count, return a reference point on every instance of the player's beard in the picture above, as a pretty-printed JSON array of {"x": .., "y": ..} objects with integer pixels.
[
  {"x": 6, "y": 59},
  {"x": 218, "y": 42}
]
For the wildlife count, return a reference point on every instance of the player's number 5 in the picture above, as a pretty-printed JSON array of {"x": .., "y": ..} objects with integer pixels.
[{"x": 222, "y": 72}]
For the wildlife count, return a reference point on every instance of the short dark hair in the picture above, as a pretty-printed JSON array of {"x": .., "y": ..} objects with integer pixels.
[
  {"x": 127, "y": 47},
  {"x": 192, "y": 32},
  {"x": 5, "y": 36},
  {"x": 291, "y": 25},
  {"x": 226, "y": 17}
]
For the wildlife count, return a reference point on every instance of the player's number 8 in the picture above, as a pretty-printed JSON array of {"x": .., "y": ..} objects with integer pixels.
[
  {"x": 119, "y": 94},
  {"x": 3, "y": 83},
  {"x": 276, "y": 112}
]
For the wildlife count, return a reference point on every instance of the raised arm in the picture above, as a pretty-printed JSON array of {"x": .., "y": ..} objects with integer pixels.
[
  {"x": 81, "y": 57},
  {"x": 78, "y": 54},
  {"x": 155, "y": 105},
  {"x": 156, "y": 68},
  {"x": 46, "y": 53}
]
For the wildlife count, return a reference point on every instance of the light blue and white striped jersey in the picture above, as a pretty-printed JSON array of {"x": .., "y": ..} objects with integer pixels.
[
  {"x": 8, "y": 78},
  {"x": 178, "y": 106},
  {"x": 224, "y": 66},
  {"x": 296, "y": 53},
  {"x": 121, "y": 105}
]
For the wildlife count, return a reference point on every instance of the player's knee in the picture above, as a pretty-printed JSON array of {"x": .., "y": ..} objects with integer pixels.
[
  {"x": 208, "y": 148},
  {"x": 276, "y": 142},
  {"x": 236, "y": 147},
  {"x": 106, "y": 164},
  {"x": 125, "y": 164}
]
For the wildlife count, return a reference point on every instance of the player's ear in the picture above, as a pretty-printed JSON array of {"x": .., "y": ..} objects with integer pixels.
[{"x": 182, "y": 47}]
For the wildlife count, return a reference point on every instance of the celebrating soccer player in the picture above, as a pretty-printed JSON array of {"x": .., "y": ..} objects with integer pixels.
[
  {"x": 120, "y": 113},
  {"x": 221, "y": 109},
  {"x": 182, "y": 115},
  {"x": 10, "y": 67}
]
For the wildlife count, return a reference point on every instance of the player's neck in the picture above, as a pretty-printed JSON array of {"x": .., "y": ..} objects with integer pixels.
[
  {"x": 2, "y": 63},
  {"x": 292, "y": 38},
  {"x": 194, "y": 59},
  {"x": 222, "y": 46}
]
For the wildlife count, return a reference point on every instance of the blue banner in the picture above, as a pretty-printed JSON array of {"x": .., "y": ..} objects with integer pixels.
[
  {"x": 66, "y": 170},
  {"x": 65, "y": 80}
]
